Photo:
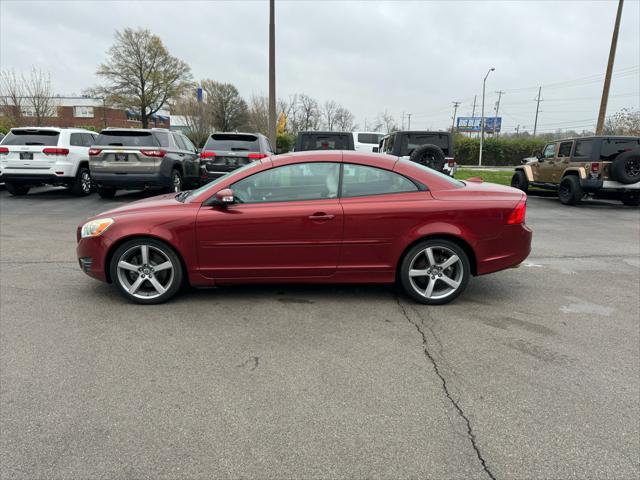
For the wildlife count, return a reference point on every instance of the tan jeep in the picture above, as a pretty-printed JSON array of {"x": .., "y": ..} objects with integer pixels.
[{"x": 599, "y": 166}]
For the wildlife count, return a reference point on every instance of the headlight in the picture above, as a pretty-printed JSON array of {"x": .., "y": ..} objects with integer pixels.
[{"x": 95, "y": 228}]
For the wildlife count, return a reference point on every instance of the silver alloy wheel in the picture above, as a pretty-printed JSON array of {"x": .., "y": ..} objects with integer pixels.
[
  {"x": 177, "y": 182},
  {"x": 145, "y": 271},
  {"x": 436, "y": 272},
  {"x": 85, "y": 181}
]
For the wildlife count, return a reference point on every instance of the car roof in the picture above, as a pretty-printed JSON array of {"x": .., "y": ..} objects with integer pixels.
[
  {"x": 237, "y": 133},
  {"x": 593, "y": 137},
  {"x": 55, "y": 129},
  {"x": 322, "y": 132}
]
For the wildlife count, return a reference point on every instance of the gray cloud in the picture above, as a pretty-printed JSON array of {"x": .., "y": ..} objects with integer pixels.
[{"x": 370, "y": 56}]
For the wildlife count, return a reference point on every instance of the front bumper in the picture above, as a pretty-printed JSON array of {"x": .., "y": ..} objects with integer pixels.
[
  {"x": 92, "y": 254},
  {"x": 131, "y": 181}
]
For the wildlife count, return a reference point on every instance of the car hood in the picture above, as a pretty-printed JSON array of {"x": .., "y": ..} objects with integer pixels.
[{"x": 158, "y": 201}]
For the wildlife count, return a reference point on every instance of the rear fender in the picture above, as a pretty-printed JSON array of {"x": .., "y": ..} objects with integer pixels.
[{"x": 580, "y": 172}]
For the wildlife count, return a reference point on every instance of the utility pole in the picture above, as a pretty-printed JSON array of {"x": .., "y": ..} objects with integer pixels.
[
  {"x": 402, "y": 120},
  {"x": 409, "y": 124},
  {"x": 518, "y": 130},
  {"x": 495, "y": 119},
  {"x": 455, "y": 109},
  {"x": 273, "y": 136},
  {"x": 484, "y": 84},
  {"x": 607, "y": 77},
  {"x": 535, "y": 125}
]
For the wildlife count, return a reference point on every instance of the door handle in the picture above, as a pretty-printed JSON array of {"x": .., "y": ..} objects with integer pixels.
[{"x": 321, "y": 216}]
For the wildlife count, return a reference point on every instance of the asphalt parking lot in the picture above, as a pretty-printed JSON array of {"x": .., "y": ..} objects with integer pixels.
[{"x": 532, "y": 373}]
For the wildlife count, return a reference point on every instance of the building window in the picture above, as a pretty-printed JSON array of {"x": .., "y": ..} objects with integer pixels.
[
  {"x": 83, "y": 112},
  {"x": 30, "y": 111}
]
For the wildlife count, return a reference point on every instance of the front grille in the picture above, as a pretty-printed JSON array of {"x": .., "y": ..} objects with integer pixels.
[{"x": 85, "y": 264}]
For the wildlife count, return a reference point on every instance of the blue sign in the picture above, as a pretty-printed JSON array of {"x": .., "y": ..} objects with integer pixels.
[
  {"x": 199, "y": 94},
  {"x": 472, "y": 124}
]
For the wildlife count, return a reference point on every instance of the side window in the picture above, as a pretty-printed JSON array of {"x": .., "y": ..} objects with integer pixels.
[
  {"x": 163, "y": 138},
  {"x": 188, "y": 144},
  {"x": 612, "y": 147},
  {"x": 290, "y": 183},
  {"x": 179, "y": 142},
  {"x": 565, "y": 149},
  {"x": 549, "y": 151},
  {"x": 360, "y": 180},
  {"x": 583, "y": 148},
  {"x": 88, "y": 139},
  {"x": 76, "y": 140}
]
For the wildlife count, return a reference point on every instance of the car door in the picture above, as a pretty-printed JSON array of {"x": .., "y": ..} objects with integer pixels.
[
  {"x": 190, "y": 159},
  {"x": 377, "y": 205},
  {"x": 546, "y": 163},
  {"x": 78, "y": 151},
  {"x": 286, "y": 223},
  {"x": 562, "y": 160}
]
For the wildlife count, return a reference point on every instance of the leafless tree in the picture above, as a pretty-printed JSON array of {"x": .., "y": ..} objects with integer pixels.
[
  {"x": 329, "y": 111},
  {"x": 258, "y": 120},
  {"x": 26, "y": 99},
  {"x": 309, "y": 113},
  {"x": 623, "y": 122},
  {"x": 344, "y": 120},
  {"x": 385, "y": 123},
  {"x": 197, "y": 117}
]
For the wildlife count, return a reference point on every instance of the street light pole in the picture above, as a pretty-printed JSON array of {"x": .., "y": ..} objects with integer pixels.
[
  {"x": 484, "y": 84},
  {"x": 272, "y": 76}
]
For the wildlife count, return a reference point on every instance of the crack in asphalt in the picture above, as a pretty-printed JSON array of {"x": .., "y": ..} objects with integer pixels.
[{"x": 445, "y": 387}]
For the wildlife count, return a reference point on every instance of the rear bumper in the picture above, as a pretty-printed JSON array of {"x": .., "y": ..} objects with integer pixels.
[
  {"x": 594, "y": 185},
  {"x": 130, "y": 181},
  {"x": 57, "y": 173},
  {"x": 513, "y": 247}
]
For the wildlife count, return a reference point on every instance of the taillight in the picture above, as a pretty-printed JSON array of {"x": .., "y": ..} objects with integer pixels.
[
  {"x": 55, "y": 151},
  {"x": 450, "y": 161},
  {"x": 94, "y": 151},
  {"x": 4, "y": 151},
  {"x": 207, "y": 154},
  {"x": 153, "y": 153},
  {"x": 257, "y": 156},
  {"x": 595, "y": 167},
  {"x": 517, "y": 216}
]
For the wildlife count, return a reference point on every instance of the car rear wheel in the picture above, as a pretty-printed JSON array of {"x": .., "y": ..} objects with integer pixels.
[
  {"x": 435, "y": 272},
  {"x": 146, "y": 271},
  {"x": 17, "y": 189},
  {"x": 176, "y": 181},
  {"x": 570, "y": 192},
  {"x": 81, "y": 185},
  {"x": 519, "y": 181},
  {"x": 106, "y": 192},
  {"x": 631, "y": 199}
]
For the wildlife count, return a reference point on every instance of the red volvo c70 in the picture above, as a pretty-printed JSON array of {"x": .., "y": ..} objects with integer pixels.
[{"x": 315, "y": 217}]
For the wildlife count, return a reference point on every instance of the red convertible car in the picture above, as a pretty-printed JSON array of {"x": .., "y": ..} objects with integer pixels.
[{"x": 315, "y": 217}]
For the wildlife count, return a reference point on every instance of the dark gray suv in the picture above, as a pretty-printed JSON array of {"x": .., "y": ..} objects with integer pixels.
[
  {"x": 224, "y": 152},
  {"x": 133, "y": 159}
]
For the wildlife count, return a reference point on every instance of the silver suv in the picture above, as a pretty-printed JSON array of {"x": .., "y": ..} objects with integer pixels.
[{"x": 134, "y": 159}]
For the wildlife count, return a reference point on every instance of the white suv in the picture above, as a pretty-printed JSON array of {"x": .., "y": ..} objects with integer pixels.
[
  {"x": 33, "y": 156},
  {"x": 367, "y": 141}
]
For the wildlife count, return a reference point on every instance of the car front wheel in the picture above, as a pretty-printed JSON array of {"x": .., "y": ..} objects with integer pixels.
[
  {"x": 435, "y": 272},
  {"x": 146, "y": 271},
  {"x": 570, "y": 192},
  {"x": 520, "y": 181}
]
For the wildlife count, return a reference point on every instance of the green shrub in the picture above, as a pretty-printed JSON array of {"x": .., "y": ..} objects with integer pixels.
[
  {"x": 496, "y": 151},
  {"x": 284, "y": 142}
]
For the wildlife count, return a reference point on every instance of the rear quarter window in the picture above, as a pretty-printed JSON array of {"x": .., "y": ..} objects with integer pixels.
[{"x": 32, "y": 137}]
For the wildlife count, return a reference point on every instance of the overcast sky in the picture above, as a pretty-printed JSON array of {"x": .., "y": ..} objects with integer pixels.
[{"x": 414, "y": 57}]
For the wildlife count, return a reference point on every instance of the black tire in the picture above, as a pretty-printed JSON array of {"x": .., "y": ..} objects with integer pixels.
[
  {"x": 570, "y": 192},
  {"x": 631, "y": 199},
  {"x": 520, "y": 181},
  {"x": 81, "y": 185},
  {"x": 106, "y": 192},
  {"x": 17, "y": 189},
  {"x": 176, "y": 181},
  {"x": 430, "y": 156},
  {"x": 158, "y": 253},
  {"x": 417, "y": 259},
  {"x": 626, "y": 167}
]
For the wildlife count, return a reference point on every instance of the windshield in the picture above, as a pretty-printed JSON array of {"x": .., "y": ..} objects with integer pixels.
[
  {"x": 233, "y": 143},
  {"x": 31, "y": 137},
  {"x": 124, "y": 138},
  {"x": 212, "y": 185}
]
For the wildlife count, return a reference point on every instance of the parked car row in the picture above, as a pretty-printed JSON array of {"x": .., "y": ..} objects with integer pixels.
[{"x": 133, "y": 159}]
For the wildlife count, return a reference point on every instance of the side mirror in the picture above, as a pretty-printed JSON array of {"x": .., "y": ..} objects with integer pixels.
[
  {"x": 376, "y": 149},
  {"x": 222, "y": 198}
]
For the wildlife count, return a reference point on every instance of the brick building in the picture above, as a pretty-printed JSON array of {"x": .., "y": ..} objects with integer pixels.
[{"x": 91, "y": 112}]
